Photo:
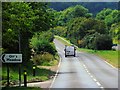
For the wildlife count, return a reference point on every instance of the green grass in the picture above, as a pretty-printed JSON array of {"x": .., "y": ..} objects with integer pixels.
[
  {"x": 21, "y": 88},
  {"x": 42, "y": 74},
  {"x": 63, "y": 40},
  {"x": 108, "y": 55}
]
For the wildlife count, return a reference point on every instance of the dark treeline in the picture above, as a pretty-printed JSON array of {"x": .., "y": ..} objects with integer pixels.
[{"x": 94, "y": 7}]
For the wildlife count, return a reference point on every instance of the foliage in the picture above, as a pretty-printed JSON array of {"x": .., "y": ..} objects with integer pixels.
[
  {"x": 77, "y": 28},
  {"x": 97, "y": 41},
  {"x": 45, "y": 46},
  {"x": 109, "y": 16},
  {"x": 16, "y": 17},
  {"x": 21, "y": 20},
  {"x": 44, "y": 16},
  {"x": 41, "y": 43},
  {"x": 43, "y": 59},
  {"x": 59, "y": 30},
  {"x": 115, "y": 32},
  {"x": 66, "y": 15},
  {"x": 94, "y": 7}
]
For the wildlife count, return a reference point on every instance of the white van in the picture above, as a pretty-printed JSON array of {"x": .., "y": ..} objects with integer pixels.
[{"x": 69, "y": 50}]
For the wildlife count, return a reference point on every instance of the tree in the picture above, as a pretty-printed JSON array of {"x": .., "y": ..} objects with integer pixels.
[
  {"x": 115, "y": 33},
  {"x": 72, "y": 12},
  {"x": 109, "y": 16},
  {"x": 20, "y": 18},
  {"x": 44, "y": 16},
  {"x": 103, "y": 13},
  {"x": 59, "y": 30},
  {"x": 94, "y": 7},
  {"x": 103, "y": 42},
  {"x": 78, "y": 28},
  {"x": 97, "y": 41}
]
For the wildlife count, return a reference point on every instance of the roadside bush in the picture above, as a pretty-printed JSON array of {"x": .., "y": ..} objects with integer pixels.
[
  {"x": 45, "y": 46},
  {"x": 97, "y": 42},
  {"x": 103, "y": 42},
  {"x": 43, "y": 59},
  {"x": 42, "y": 42}
]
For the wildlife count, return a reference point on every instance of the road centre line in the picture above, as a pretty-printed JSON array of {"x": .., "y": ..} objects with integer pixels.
[
  {"x": 94, "y": 79},
  {"x": 91, "y": 76},
  {"x": 98, "y": 84}
]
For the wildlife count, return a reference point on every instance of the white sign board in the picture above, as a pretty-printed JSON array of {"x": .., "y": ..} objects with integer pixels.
[{"x": 11, "y": 58}]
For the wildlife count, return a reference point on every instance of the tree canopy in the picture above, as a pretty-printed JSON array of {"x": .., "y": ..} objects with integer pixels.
[
  {"x": 22, "y": 20},
  {"x": 66, "y": 15}
]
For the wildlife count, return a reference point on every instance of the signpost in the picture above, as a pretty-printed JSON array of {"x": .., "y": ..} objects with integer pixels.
[{"x": 11, "y": 58}]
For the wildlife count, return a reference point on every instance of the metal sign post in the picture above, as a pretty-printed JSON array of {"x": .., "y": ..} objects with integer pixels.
[
  {"x": 19, "y": 74},
  {"x": 8, "y": 75}
]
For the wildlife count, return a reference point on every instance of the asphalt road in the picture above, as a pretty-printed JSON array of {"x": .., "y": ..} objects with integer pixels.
[{"x": 84, "y": 71}]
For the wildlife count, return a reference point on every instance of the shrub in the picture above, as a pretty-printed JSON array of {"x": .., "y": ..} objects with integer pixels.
[
  {"x": 97, "y": 42},
  {"x": 43, "y": 59},
  {"x": 41, "y": 42},
  {"x": 103, "y": 42},
  {"x": 45, "y": 46}
]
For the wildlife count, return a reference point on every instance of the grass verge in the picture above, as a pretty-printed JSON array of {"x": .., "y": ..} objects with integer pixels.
[
  {"x": 21, "y": 88},
  {"x": 63, "y": 40},
  {"x": 42, "y": 74},
  {"x": 108, "y": 55}
]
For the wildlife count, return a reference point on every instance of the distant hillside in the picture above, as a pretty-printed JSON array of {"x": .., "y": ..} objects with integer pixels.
[{"x": 94, "y": 7}]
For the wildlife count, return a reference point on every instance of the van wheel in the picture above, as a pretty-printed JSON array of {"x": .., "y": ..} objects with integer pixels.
[{"x": 74, "y": 55}]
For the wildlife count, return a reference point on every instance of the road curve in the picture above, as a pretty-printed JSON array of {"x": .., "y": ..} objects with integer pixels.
[{"x": 84, "y": 71}]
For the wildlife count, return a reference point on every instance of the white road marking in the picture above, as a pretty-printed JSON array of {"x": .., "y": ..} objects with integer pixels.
[
  {"x": 89, "y": 73},
  {"x": 98, "y": 84},
  {"x": 91, "y": 76},
  {"x": 94, "y": 79},
  {"x": 101, "y": 87},
  {"x": 110, "y": 64},
  {"x": 55, "y": 74}
]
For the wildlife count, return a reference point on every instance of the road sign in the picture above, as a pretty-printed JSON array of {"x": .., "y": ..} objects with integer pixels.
[{"x": 11, "y": 58}]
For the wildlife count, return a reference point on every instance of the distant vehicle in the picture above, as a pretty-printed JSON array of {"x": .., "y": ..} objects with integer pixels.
[
  {"x": 116, "y": 47},
  {"x": 69, "y": 50}
]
